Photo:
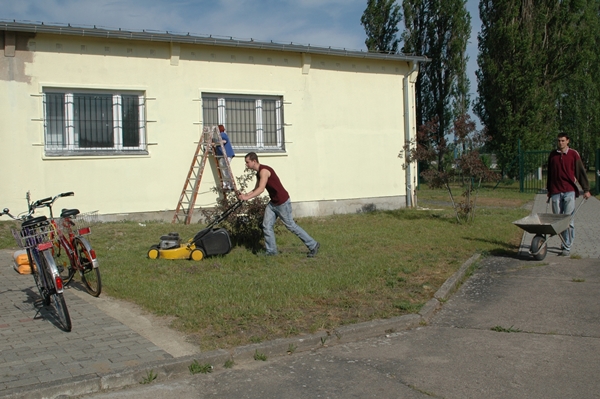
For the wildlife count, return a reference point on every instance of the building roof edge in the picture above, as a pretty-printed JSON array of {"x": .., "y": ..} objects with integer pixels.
[{"x": 189, "y": 38}]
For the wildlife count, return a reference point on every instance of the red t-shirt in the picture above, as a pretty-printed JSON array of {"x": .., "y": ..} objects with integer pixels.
[{"x": 275, "y": 189}]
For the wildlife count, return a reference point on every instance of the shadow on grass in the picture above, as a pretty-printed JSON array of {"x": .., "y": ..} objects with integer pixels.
[{"x": 504, "y": 249}]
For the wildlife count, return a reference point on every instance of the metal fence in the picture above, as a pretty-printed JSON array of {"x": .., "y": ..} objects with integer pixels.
[
  {"x": 597, "y": 187},
  {"x": 533, "y": 171}
]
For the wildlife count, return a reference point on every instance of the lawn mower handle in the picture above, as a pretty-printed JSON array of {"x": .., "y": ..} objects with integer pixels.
[{"x": 224, "y": 215}]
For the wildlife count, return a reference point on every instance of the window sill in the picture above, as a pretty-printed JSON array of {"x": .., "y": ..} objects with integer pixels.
[
  {"x": 262, "y": 151},
  {"x": 50, "y": 155}
]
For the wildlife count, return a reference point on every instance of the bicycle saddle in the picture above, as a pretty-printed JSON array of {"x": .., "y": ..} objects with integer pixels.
[{"x": 67, "y": 213}]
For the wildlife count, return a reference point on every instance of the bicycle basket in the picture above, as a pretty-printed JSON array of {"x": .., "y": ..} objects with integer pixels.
[
  {"x": 30, "y": 237},
  {"x": 64, "y": 224},
  {"x": 85, "y": 219}
]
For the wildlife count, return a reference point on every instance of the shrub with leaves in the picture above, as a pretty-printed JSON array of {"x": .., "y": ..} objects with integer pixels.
[
  {"x": 245, "y": 223},
  {"x": 469, "y": 165}
]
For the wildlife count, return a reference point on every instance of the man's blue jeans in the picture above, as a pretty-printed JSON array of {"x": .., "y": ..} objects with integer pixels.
[
  {"x": 564, "y": 203},
  {"x": 284, "y": 212}
]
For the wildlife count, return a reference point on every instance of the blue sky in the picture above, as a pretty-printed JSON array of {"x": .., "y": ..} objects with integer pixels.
[{"x": 334, "y": 23}]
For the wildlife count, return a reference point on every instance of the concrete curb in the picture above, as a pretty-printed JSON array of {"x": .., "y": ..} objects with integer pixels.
[
  {"x": 179, "y": 367},
  {"x": 452, "y": 283}
]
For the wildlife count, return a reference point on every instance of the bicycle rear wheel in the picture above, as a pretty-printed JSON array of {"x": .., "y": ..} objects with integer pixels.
[
  {"x": 90, "y": 275},
  {"x": 58, "y": 300}
]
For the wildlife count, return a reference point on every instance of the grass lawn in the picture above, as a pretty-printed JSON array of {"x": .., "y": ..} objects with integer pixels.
[{"x": 371, "y": 265}]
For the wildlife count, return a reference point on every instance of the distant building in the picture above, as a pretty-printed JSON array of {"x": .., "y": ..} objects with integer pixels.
[{"x": 115, "y": 116}]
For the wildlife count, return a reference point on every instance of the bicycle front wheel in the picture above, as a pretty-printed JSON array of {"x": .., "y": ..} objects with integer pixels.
[
  {"x": 58, "y": 301},
  {"x": 38, "y": 269},
  {"x": 90, "y": 275},
  {"x": 55, "y": 287}
]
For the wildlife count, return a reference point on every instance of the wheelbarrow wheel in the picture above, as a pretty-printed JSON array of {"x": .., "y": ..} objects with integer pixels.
[{"x": 539, "y": 247}]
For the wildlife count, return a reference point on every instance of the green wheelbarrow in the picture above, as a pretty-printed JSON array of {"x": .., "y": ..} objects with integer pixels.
[{"x": 544, "y": 226}]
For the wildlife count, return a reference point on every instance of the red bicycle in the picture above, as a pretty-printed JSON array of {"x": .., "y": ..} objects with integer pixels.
[{"x": 72, "y": 252}]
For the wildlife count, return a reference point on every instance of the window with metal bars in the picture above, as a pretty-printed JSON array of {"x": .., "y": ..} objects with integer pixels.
[
  {"x": 253, "y": 123},
  {"x": 94, "y": 123}
]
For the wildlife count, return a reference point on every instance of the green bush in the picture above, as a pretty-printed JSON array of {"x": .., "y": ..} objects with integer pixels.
[{"x": 245, "y": 223}]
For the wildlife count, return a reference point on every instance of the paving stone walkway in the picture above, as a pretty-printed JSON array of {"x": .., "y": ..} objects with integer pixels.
[{"x": 34, "y": 350}]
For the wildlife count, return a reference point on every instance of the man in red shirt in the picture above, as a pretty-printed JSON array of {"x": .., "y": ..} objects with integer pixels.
[
  {"x": 280, "y": 206},
  {"x": 564, "y": 170}
]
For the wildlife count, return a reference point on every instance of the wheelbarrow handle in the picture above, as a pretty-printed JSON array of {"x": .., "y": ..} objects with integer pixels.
[{"x": 578, "y": 206}]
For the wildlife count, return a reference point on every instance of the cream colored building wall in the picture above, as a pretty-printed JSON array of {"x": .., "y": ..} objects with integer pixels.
[{"x": 344, "y": 121}]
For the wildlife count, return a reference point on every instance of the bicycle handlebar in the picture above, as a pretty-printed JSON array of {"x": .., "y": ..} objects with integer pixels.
[
  {"x": 47, "y": 202},
  {"x": 41, "y": 203},
  {"x": 23, "y": 217}
]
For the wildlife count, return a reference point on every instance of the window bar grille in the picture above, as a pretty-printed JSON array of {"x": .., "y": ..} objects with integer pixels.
[
  {"x": 81, "y": 121},
  {"x": 252, "y": 123},
  {"x": 54, "y": 120}
]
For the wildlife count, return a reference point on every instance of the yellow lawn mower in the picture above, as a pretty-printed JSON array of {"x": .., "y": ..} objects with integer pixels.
[{"x": 207, "y": 242}]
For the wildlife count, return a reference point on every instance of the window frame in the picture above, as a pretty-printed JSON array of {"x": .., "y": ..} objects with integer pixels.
[
  {"x": 69, "y": 145},
  {"x": 260, "y": 142}
]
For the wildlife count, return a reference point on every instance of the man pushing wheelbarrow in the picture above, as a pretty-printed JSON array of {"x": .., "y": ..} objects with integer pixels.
[{"x": 565, "y": 170}]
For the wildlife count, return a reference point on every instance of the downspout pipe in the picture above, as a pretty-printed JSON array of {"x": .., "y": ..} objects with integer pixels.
[{"x": 409, "y": 117}]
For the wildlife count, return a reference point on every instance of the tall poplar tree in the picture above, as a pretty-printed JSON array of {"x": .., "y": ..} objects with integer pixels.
[
  {"x": 380, "y": 20},
  {"x": 509, "y": 79},
  {"x": 439, "y": 29},
  {"x": 536, "y": 62},
  {"x": 578, "y": 93}
]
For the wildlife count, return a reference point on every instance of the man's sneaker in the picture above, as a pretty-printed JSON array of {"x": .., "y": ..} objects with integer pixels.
[
  {"x": 565, "y": 252},
  {"x": 313, "y": 252}
]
